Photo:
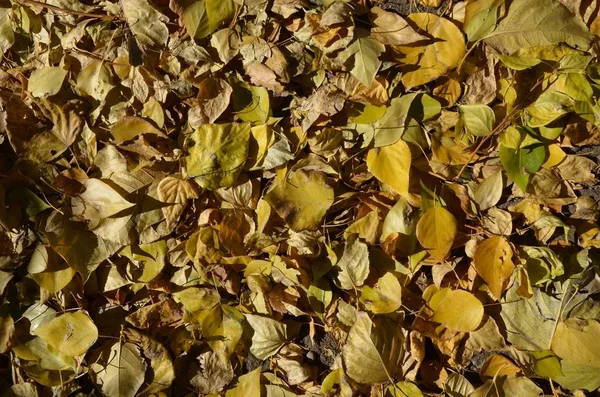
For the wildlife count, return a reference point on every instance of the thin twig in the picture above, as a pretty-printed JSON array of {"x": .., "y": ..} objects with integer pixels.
[{"x": 64, "y": 10}]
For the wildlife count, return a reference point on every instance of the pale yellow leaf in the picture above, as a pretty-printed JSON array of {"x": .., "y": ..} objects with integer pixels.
[{"x": 391, "y": 165}]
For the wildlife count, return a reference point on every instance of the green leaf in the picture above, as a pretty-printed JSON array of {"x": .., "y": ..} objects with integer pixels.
[
  {"x": 7, "y": 36},
  {"x": 403, "y": 389},
  {"x": 543, "y": 265},
  {"x": 531, "y": 322},
  {"x": 546, "y": 364},
  {"x": 478, "y": 119},
  {"x": 217, "y": 153},
  {"x": 519, "y": 161},
  {"x": 72, "y": 334},
  {"x": 399, "y": 219},
  {"x": 373, "y": 351},
  {"x": 481, "y": 17},
  {"x": 531, "y": 23},
  {"x": 46, "y": 81},
  {"x": 203, "y": 17},
  {"x": 390, "y": 128},
  {"x": 27, "y": 200},
  {"x": 518, "y": 63},
  {"x": 548, "y": 107}
]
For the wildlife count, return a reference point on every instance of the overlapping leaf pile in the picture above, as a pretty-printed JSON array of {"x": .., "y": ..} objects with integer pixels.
[{"x": 286, "y": 197}]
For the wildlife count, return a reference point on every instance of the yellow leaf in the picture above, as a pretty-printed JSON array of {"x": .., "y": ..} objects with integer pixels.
[
  {"x": 248, "y": 385},
  {"x": 217, "y": 153},
  {"x": 367, "y": 227},
  {"x": 498, "y": 365},
  {"x": 49, "y": 269},
  {"x": 391, "y": 165},
  {"x": 456, "y": 310},
  {"x": 450, "y": 90},
  {"x": 436, "y": 58},
  {"x": 72, "y": 334},
  {"x": 436, "y": 231},
  {"x": 301, "y": 199},
  {"x": 177, "y": 192},
  {"x": 493, "y": 262},
  {"x": 576, "y": 340},
  {"x": 163, "y": 371},
  {"x": 374, "y": 350},
  {"x": 384, "y": 297},
  {"x": 129, "y": 127},
  {"x": 391, "y": 29}
]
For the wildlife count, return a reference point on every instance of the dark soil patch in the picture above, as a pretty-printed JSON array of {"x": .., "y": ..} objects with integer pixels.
[
  {"x": 252, "y": 363},
  {"x": 323, "y": 351}
]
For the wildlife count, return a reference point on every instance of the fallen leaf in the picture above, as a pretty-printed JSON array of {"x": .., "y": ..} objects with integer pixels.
[
  {"x": 436, "y": 231},
  {"x": 373, "y": 351},
  {"x": 72, "y": 334},
  {"x": 391, "y": 165},
  {"x": 456, "y": 309},
  {"x": 493, "y": 261}
]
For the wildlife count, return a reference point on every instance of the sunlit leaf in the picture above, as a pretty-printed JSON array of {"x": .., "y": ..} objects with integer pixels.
[
  {"x": 456, "y": 309},
  {"x": 435, "y": 58},
  {"x": 391, "y": 165},
  {"x": 217, "y": 153},
  {"x": 269, "y": 335},
  {"x": 301, "y": 199},
  {"x": 46, "y": 82},
  {"x": 373, "y": 351},
  {"x": 493, "y": 262},
  {"x": 119, "y": 370},
  {"x": 436, "y": 231},
  {"x": 71, "y": 334},
  {"x": 538, "y": 23}
]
